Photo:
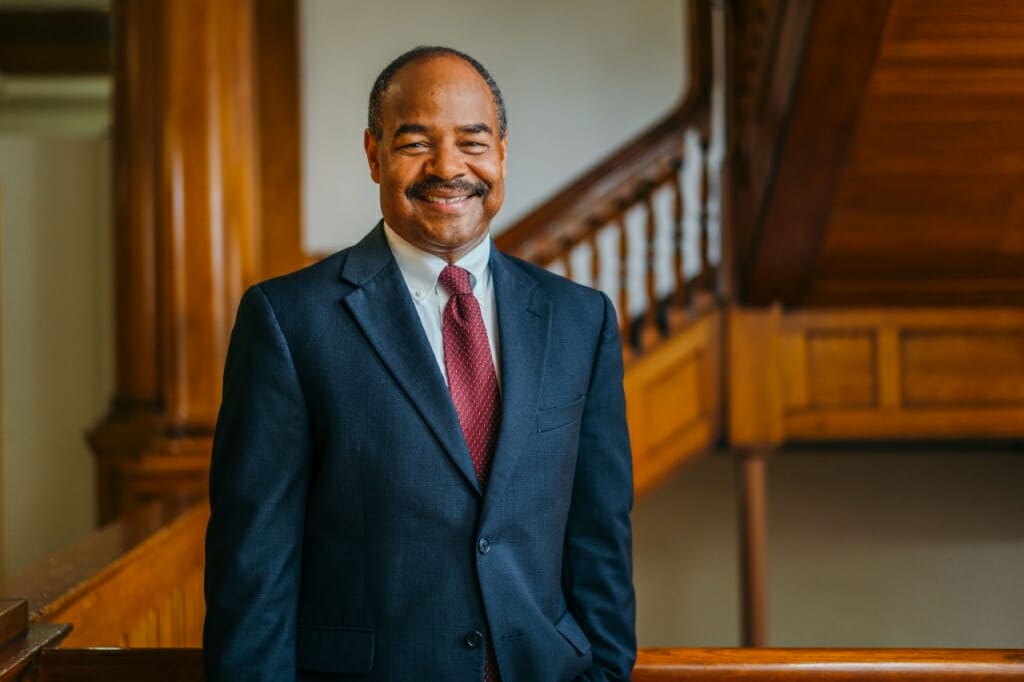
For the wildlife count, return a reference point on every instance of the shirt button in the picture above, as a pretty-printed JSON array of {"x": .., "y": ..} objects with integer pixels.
[
  {"x": 483, "y": 545},
  {"x": 474, "y": 639}
]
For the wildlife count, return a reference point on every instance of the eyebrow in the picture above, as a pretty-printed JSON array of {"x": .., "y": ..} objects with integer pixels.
[
  {"x": 476, "y": 128},
  {"x": 407, "y": 128},
  {"x": 414, "y": 128}
]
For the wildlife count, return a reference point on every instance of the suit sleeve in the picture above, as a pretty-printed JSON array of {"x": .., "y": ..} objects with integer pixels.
[
  {"x": 598, "y": 570},
  {"x": 259, "y": 479}
]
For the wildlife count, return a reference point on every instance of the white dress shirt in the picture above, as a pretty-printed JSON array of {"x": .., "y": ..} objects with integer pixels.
[{"x": 421, "y": 270}]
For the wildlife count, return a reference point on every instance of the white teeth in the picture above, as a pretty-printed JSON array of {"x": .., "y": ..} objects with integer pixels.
[{"x": 445, "y": 200}]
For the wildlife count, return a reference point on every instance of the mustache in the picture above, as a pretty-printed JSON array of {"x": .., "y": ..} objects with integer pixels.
[{"x": 419, "y": 190}]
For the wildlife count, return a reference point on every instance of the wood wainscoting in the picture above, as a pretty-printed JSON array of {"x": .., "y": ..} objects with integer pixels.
[
  {"x": 875, "y": 374},
  {"x": 137, "y": 582},
  {"x": 673, "y": 399}
]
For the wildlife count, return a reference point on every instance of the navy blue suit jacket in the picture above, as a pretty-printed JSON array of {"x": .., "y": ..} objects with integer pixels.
[{"x": 349, "y": 536}]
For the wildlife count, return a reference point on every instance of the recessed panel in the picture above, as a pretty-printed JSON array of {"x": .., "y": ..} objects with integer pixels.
[
  {"x": 963, "y": 368},
  {"x": 841, "y": 369}
]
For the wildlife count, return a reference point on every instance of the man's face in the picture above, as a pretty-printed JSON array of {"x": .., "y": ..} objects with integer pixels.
[{"x": 440, "y": 162}]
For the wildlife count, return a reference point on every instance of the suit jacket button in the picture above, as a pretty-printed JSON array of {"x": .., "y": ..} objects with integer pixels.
[
  {"x": 474, "y": 639},
  {"x": 483, "y": 545}
]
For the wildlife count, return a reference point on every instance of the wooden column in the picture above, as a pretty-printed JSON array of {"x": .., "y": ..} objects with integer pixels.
[
  {"x": 753, "y": 547},
  {"x": 186, "y": 177},
  {"x": 755, "y": 430}
]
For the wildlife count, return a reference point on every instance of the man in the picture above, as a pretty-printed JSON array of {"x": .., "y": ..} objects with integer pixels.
[{"x": 421, "y": 468}]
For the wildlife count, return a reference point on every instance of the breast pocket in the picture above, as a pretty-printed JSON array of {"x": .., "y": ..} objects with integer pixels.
[
  {"x": 553, "y": 418},
  {"x": 339, "y": 651}
]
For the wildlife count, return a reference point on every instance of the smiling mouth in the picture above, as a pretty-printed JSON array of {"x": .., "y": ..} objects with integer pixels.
[
  {"x": 446, "y": 195},
  {"x": 446, "y": 200}
]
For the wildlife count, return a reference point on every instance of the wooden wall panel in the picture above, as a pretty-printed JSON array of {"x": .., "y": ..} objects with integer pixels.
[
  {"x": 875, "y": 373},
  {"x": 673, "y": 400},
  {"x": 840, "y": 368},
  {"x": 138, "y": 582},
  {"x": 963, "y": 368}
]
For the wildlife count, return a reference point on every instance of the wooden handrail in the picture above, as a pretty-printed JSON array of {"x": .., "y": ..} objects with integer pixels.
[
  {"x": 829, "y": 665},
  {"x": 653, "y": 665}
]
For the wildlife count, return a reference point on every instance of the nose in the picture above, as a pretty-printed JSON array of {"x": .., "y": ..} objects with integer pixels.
[{"x": 446, "y": 162}]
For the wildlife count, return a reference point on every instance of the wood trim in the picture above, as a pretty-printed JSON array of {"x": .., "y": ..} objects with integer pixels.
[
  {"x": 755, "y": 392},
  {"x": 842, "y": 46},
  {"x": 653, "y": 665},
  {"x": 828, "y": 665},
  {"x": 120, "y": 665}
]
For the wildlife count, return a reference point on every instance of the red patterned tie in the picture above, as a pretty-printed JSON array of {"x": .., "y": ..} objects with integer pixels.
[{"x": 472, "y": 383}]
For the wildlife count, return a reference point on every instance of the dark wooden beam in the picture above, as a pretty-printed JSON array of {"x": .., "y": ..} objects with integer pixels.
[
  {"x": 841, "y": 49},
  {"x": 55, "y": 42},
  {"x": 277, "y": 74}
]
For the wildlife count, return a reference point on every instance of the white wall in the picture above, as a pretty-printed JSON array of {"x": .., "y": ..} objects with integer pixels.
[
  {"x": 56, "y": 319},
  {"x": 579, "y": 77},
  {"x": 875, "y": 549}
]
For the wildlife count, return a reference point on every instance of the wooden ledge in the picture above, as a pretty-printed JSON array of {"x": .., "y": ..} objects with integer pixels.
[
  {"x": 768, "y": 665},
  {"x": 51, "y": 582}
]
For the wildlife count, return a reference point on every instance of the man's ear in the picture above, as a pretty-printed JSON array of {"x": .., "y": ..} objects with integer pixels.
[
  {"x": 504, "y": 153},
  {"x": 370, "y": 147}
]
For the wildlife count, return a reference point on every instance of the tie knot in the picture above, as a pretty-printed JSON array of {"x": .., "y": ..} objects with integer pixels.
[{"x": 455, "y": 280}]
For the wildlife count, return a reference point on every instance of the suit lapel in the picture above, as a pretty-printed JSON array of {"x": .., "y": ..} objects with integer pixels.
[
  {"x": 524, "y": 314},
  {"x": 381, "y": 305}
]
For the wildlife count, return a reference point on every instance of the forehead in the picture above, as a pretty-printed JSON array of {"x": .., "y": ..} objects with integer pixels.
[{"x": 438, "y": 91}]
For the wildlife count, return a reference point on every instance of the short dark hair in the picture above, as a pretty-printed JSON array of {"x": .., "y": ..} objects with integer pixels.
[{"x": 425, "y": 52}]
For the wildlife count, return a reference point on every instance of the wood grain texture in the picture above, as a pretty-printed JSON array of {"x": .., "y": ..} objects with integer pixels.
[
  {"x": 137, "y": 582},
  {"x": 876, "y": 373},
  {"x": 653, "y": 665},
  {"x": 673, "y": 400},
  {"x": 187, "y": 187},
  {"x": 930, "y": 209},
  {"x": 837, "y": 59},
  {"x": 755, "y": 388},
  {"x": 829, "y": 665},
  {"x": 883, "y": 165}
]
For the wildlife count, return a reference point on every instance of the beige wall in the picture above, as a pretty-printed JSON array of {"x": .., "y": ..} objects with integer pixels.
[
  {"x": 56, "y": 336},
  {"x": 869, "y": 548},
  {"x": 579, "y": 77}
]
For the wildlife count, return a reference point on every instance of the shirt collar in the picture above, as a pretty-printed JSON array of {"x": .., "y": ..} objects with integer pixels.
[{"x": 421, "y": 269}]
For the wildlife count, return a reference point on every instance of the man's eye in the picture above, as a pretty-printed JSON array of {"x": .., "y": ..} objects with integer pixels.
[{"x": 414, "y": 145}]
